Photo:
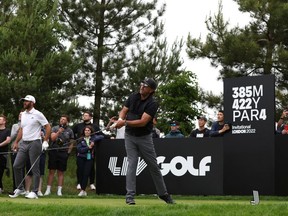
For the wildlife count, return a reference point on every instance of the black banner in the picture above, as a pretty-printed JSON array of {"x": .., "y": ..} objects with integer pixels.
[
  {"x": 235, "y": 164},
  {"x": 188, "y": 165}
]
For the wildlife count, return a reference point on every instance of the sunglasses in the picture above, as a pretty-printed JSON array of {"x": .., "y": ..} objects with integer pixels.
[{"x": 173, "y": 125}]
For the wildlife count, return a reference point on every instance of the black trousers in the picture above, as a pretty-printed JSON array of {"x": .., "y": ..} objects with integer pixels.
[{"x": 84, "y": 170}]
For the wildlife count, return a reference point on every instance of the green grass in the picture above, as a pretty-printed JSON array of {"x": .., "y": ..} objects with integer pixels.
[
  {"x": 69, "y": 177},
  {"x": 145, "y": 205},
  {"x": 70, "y": 204}
]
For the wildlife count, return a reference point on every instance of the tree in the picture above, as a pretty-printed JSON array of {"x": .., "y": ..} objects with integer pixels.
[
  {"x": 178, "y": 101},
  {"x": 34, "y": 61},
  {"x": 120, "y": 41},
  {"x": 153, "y": 60},
  {"x": 256, "y": 49}
]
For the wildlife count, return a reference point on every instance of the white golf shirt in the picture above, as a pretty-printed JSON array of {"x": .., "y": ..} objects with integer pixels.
[{"x": 31, "y": 123}]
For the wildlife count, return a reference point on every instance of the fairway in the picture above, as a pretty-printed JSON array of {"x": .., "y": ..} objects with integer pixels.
[
  {"x": 145, "y": 205},
  {"x": 114, "y": 202}
]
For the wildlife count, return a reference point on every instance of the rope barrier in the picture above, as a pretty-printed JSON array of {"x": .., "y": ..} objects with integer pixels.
[{"x": 58, "y": 148}]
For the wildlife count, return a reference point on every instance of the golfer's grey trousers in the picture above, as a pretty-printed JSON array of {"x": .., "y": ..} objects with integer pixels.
[
  {"x": 28, "y": 150},
  {"x": 142, "y": 146}
]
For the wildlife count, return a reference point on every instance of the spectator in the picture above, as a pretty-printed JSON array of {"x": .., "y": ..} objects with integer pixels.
[
  {"x": 85, "y": 149},
  {"x": 77, "y": 130},
  {"x": 155, "y": 131},
  {"x": 4, "y": 141},
  {"x": 219, "y": 127},
  {"x": 281, "y": 128},
  {"x": 120, "y": 134},
  {"x": 174, "y": 132},
  {"x": 201, "y": 131},
  {"x": 14, "y": 132},
  {"x": 61, "y": 145}
]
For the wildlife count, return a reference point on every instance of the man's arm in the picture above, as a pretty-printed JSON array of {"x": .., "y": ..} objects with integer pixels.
[
  {"x": 71, "y": 145},
  {"x": 6, "y": 141},
  {"x": 14, "y": 131},
  {"x": 55, "y": 134},
  {"x": 145, "y": 118},
  {"x": 48, "y": 132},
  {"x": 121, "y": 120},
  {"x": 214, "y": 130},
  {"x": 123, "y": 113}
]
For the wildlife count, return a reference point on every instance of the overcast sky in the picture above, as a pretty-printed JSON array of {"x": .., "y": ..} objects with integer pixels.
[
  {"x": 188, "y": 16},
  {"x": 184, "y": 16}
]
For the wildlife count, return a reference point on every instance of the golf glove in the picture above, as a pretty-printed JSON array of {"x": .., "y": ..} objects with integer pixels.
[
  {"x": 45, "y": 145},
  {"x": 113, "y": 126}
]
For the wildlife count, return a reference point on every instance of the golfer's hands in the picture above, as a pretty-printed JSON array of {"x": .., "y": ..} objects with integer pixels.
[
  {"x": 113, "y": 125},
  {"x": 118, "y": 124},
  {"x": 45, "y": 145}
]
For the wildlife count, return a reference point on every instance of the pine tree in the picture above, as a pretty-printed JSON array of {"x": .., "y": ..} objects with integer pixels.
[
  {"x": 258, "y": 48},
  {"x": 121, "y": 43},
  {"x": 33, "y": 59}
]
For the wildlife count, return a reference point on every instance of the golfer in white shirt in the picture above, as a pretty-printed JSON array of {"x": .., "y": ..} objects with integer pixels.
[{"x": 31, "y": 146}]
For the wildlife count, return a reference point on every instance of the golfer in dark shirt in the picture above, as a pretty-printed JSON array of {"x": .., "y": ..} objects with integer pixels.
[{"x": 137, "y": 115}]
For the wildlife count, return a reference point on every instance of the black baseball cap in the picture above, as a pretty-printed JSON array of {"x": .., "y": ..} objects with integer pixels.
[
  {"x": 174, "y": 123},
  {"x": 150, "y": 82},
  {"x": 202, "y": 117}
]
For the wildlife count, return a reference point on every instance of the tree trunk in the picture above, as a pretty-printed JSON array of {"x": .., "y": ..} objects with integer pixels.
[{"x": 99, "y": 68}]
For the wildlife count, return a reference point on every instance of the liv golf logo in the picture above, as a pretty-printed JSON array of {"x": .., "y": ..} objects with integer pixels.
[{"x": 185, "y": 165}]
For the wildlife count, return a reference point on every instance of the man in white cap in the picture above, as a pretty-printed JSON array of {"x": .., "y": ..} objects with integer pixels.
[{"x": 31, "y": 146}]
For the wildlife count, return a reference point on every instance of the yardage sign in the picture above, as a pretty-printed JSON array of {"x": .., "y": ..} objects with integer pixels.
[{"x": 249, "y": 103}]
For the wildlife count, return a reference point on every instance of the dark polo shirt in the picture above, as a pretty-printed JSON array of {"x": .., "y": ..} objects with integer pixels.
[{"x": 136, "y": 108}]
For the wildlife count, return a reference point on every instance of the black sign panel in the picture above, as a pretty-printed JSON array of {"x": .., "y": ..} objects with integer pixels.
[
  {"x": 249, "y": 150},
  {"x": 249, "y": 104},
  {"x": 281, "y": 164},
  {"x": 189, "y": 166}
]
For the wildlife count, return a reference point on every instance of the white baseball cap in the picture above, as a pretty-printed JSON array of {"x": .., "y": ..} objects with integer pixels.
[{"x": 28, "y": 98}]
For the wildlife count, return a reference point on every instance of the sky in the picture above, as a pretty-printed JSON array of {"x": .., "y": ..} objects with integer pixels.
[{"x": 188, "y": 16}]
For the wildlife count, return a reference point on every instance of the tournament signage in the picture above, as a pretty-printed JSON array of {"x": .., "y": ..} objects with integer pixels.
[
  {"x": 249, "y": 107},
  {"x": 249, "y": 104},
  {"x": 188, "y": 165},
  {"x": 248, "y": 158}
]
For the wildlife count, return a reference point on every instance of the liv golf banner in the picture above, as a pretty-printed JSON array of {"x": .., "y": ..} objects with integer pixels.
[{"x": 249, "y": 108}]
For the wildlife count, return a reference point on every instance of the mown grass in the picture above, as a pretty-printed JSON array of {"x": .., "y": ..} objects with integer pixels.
[
  {"x": 145, "y": 205},
  {"x": 70, "y": 204},
  {"x": 69, "y": 179}
]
